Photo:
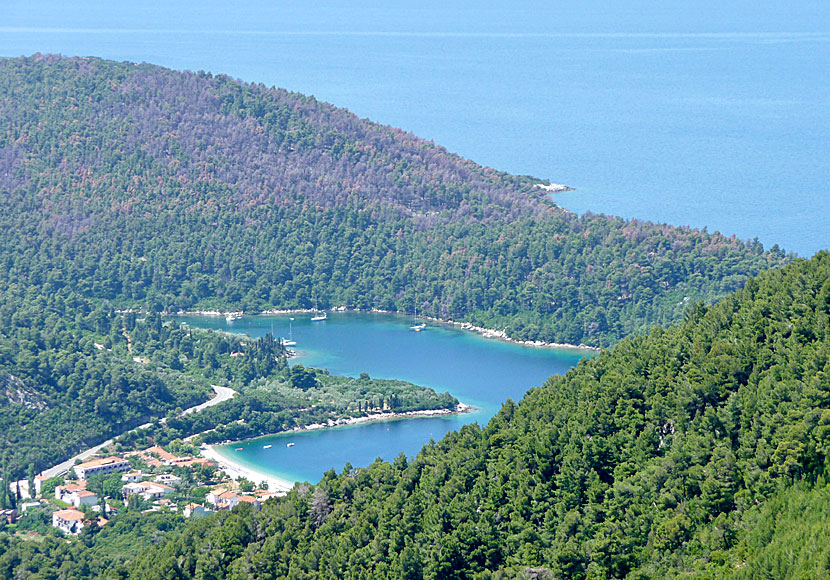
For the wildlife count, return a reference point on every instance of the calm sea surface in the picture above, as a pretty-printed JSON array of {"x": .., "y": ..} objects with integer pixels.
[
  {"x": 478, "y": 371},
  {"x": 712, "y": 113}
]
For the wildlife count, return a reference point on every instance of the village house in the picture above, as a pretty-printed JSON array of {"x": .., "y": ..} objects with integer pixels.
[
  {"x": 83, "y": 497},
  {"x": 101, "y": 466},
  {"x": 222, "y": 499},
  {"x": 254, "y": 501},
  {"x": 264, "y": 494},
  {"x": 132, "y": 476},
  {"x": 164, "y": 502},
  {"x": 39, "y": 479},
  {"x": 157, "y": 491},
  {"x": 168, "y": 478},
  {"x": 70, "y": 521},
  {"x": 28, "y": 505},
  {"x": 147, "y": 490},
  {"x": 8, "y": 515},
  {"x": 66, "y": 491},
  {"x": 166, "y": 457}
]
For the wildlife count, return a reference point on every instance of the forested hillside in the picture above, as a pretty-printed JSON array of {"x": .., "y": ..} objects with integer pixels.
[
  {"x": 174, "y": 190},
  {"x": 684, "y": 451},
  {"x": 697, "y": 451}
]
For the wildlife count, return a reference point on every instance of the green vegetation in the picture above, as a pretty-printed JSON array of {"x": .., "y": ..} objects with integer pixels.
[
  {"x": 272, "y": 406},
  {"x": 72, "y": 382},
  {"x": 67, "y": 380},
  {"x": 168, "y": 191},
  {"x": 698, "y": 451},
  {"x": 695, "y": 451}
]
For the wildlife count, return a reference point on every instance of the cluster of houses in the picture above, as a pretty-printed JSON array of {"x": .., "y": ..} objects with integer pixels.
[{"x": 147, "y": 486}]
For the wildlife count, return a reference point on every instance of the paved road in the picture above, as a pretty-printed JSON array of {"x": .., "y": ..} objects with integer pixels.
[{"x": 222, "y": 394}]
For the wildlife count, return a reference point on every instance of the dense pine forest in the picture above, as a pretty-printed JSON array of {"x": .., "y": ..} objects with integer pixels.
[
  {"x": 695, "y": 450},
  {"x": 174, "y": 190}
]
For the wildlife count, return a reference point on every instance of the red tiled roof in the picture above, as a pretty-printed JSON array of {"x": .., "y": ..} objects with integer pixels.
[
  {"x": 70, "y": 515},
  {"x": 99, "y": 462}
]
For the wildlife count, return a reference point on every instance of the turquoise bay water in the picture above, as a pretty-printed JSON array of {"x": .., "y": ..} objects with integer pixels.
[
  {"x": 478, "y": 371},
  {"x": 712, "y": 113}
]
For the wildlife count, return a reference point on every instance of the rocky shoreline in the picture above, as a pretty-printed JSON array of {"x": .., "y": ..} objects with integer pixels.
[{"x": 485, "y": 332}]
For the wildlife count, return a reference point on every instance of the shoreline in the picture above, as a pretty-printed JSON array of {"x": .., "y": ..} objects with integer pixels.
[
  {"x": 485, "y": 332},
  {"x": 236, "y": 470}
]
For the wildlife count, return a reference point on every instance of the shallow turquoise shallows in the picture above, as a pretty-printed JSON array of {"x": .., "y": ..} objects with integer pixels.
[{"x": 480, "y": 372}]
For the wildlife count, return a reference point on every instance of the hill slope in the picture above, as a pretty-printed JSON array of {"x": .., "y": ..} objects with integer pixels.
[
  {"x": 175, "y": 190},
  {"x": 657, "y": 458}
]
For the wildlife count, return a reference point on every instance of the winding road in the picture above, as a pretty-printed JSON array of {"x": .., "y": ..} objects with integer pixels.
[{"x": 222, "y": 394}]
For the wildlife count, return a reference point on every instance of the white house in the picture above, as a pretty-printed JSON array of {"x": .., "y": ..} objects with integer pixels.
[
  {"x": 132, "y": 476},
  {"x": 67, "y": 491},
  {"x": 147, "y": 490},
  {"x": 134, "y": 488},
  {"x": 71, "y": 521},
  {"x": 221, "y": 498},
  {"x": 39, "y": 479},
  {"x": 156, "y": 490},
  {"x": 83, "y": 497}
]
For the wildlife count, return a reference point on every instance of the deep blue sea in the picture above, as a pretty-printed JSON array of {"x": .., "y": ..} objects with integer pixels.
[{"x": 709, "y": 113}]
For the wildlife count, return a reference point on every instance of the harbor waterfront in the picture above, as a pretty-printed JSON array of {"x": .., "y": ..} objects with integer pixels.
[{"x": 481, "y": 372}]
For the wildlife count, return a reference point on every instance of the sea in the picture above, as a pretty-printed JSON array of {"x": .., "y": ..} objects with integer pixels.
[
  {"x": 480, "y": 372},
  {"x": 713, "y": 114}
]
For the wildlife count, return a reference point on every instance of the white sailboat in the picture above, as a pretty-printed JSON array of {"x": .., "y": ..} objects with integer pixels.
[
  {"x": 290, "y": 341},
  {"x": 417, "y": 327}
]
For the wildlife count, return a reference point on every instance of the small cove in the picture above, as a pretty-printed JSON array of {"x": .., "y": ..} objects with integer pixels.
[{"x": 479, "y": 371}]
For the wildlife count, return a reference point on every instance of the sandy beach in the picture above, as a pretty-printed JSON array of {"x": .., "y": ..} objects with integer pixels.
[{"x": 235, "y": 470}]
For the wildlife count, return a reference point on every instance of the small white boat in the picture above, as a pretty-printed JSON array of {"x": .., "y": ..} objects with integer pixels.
[
  {"x": 232, "y": 317},
  {"x": 238, "y": 449},
  {"x": 418, "y": 326},
  {"x": 319, "y": 317},
  {"x": 290, "y": 341},
  {"x": 266, "y": 447},
  {"x": 290, "y": 444}
]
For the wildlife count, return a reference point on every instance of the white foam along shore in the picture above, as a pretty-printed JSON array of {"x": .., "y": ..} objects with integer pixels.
[{"x": 236, "y": 470}]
